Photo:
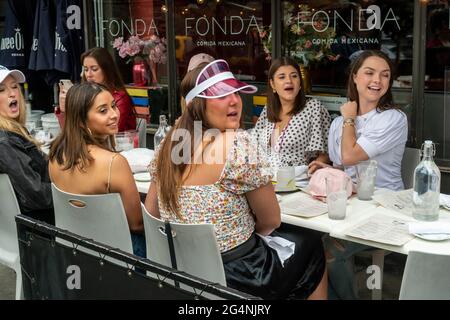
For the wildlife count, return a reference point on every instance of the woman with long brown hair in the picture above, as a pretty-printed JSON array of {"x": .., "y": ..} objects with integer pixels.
[
  {"x": 371, "y": 126},
  {"x": 83, "y": 159},
  {"x": 208, "y": 171},
  {"x": 99, "y": 67},
  {"x": 21, "y": 158}
]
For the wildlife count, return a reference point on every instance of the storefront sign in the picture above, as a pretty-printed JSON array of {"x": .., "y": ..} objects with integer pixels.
[
  {"x": 320, "y": 20},
  {"x": 136, "y": 27},
  {"x": 227, "y": 26}
]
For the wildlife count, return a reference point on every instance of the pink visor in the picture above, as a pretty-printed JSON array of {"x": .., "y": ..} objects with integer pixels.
[{"x": 216, "y": 81}]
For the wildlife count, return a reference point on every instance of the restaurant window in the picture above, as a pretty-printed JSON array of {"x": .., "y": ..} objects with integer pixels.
[
  {"x": 327, "y": 35},
  {"x": 436, "y": 118},
  {"x": 437, "y": 45},
  {"x": 324, "y": 37},
  {"x": 225, "y": 30},
  {"x": 134, "y": 32}
]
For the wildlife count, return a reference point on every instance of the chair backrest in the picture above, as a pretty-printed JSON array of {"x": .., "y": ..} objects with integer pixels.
[
  {"x": 426, "y": 277},
  {"x": 196, "y": 249},
  {"x": 411, "y": 158},
  {"x": 99, "y": 217},
  {"x": 9, "y": 208},
  {"x": 141, "y": 127}
]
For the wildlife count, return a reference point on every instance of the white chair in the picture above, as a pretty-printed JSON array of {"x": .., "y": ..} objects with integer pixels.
[
  {"x": 98, "y": 217},
  {"x": 196, "y": 249},
  {"x": 141, "y": 127},
  {"x": 411, "y": 158},
  {"x": 426, "y": 277},
  {"x": 9, "y": 245}
]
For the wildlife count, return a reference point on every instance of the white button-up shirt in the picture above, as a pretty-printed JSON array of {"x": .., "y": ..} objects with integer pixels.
[{"x": 382, "y": 135}]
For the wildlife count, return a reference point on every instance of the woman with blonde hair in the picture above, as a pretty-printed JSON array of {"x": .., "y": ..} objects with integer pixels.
[
  {"x": 208, "y": 171},
  {"x": 83, "y": 159},
  {"x": 21, "y": 158}
]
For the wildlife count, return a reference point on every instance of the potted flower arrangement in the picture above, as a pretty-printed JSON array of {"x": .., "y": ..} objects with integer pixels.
[
  {"x": 152, "y": 50},
  {"x": 305, "y": 39}
]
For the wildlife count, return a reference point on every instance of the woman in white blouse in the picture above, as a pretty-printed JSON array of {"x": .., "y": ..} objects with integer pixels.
[
  {"x": 293, "y": 130},
  {"x": 371, "y": 127}
]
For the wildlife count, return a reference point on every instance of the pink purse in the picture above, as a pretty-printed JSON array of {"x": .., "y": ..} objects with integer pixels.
[{"x": 317, "y": 186}]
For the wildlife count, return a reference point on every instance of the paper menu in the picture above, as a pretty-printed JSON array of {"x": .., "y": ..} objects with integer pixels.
[
  {"x": 383, "y": 229},
  {"x": 400, "y": 201},
  {"x": 303, "y": 205}
]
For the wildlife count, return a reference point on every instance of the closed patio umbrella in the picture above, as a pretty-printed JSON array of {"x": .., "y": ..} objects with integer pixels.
[
  {"x": 69, "y": 39},
  {"x": 42, "y": 56},
  {"x": 16, "y": 39}
]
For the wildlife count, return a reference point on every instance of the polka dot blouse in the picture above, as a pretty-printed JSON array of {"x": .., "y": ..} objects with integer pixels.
[{"x": 300, "y": 142}]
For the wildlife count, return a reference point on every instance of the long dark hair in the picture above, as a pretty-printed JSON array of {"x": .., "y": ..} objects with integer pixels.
[
  {"x": 70, "y": 148},
  {"x": 386, "y": 102},
  {"x": 113, "y": 79},
  {"x": 273, "y": 101}
]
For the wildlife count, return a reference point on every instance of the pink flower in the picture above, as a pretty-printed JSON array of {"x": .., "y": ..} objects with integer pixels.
[{"x": 154, "y": 48}]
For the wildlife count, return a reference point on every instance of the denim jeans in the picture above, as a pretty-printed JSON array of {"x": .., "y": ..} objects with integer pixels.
[
  {"x": 139, "y": 246},
  {"x": 342, "y": 284}
]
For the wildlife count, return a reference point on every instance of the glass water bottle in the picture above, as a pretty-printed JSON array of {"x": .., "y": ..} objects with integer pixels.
[
  {"x": 427, "y": 183},
  {"x": 161, "y": 132}
]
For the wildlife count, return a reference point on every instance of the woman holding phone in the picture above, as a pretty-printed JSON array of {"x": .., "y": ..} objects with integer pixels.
[{"x": 99, "y": 67}]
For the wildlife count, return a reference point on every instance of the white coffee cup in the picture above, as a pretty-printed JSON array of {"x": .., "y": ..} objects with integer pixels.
[{"x": 286, "y": 178}]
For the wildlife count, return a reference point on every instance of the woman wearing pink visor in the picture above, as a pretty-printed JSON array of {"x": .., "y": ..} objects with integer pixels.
[{"x": 226, "y": 181}]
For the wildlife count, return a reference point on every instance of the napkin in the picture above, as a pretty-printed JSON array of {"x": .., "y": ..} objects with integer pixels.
[
  {"x": 301, "y": 176},
  {"x": 138, "y": 158},
  {"x": 284, "y": 248},
  {"x": 301, "y": 172},
  {"x": 444, "y": 200},
  {"x": 434, "y": 227}
]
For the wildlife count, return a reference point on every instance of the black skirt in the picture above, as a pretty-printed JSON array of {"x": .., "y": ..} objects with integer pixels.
[{"x": 254, "y": 268}]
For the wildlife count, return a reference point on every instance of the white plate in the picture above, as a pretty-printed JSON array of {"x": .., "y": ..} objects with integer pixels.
[
  {"x": 433, "y": 237},
  {"x": 142, "y": 176},
  {"x": 285, "y": 189}
]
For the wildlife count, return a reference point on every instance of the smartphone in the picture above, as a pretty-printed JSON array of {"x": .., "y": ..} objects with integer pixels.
[{"x": 66, "y": 84}]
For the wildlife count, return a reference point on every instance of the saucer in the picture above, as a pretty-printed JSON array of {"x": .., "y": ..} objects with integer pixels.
[
  {"x": 285, "y": 189},
  {"x": 142, "y": 176},
  {"x": 433, "y": 237}
]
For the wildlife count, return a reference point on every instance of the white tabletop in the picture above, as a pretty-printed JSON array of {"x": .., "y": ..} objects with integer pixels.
[{"x": 357, "y": 210}]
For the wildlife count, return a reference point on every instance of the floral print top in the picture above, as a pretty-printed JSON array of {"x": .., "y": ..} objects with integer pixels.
[{"x": 224, "y": 203}]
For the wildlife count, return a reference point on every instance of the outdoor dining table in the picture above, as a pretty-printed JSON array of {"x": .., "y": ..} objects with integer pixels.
[{"x": 357, "y": 210}]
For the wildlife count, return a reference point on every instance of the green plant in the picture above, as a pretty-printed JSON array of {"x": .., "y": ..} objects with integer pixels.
[{"x": 305, "y": 39}]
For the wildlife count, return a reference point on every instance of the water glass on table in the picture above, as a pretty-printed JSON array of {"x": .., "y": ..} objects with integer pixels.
[
  {"x": 336, "y": 198},
  {"x": 125, "y": 140},
  {"x": 41, "y": 135},
  {"x": 366, "y": 173}
]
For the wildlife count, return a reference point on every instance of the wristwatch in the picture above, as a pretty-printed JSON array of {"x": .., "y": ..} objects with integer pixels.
[{"x": 349, "y": 122}]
